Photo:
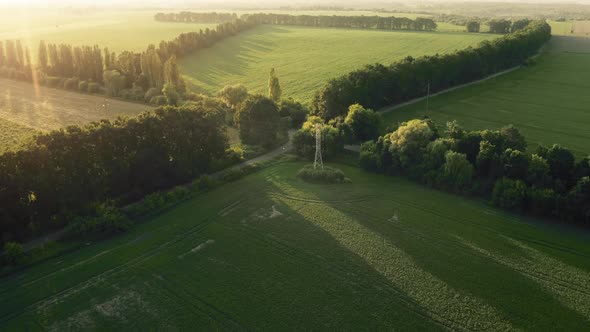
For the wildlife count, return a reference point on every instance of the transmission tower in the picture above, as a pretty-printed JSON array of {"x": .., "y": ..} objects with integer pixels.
[{"x": 318, "y": 148}]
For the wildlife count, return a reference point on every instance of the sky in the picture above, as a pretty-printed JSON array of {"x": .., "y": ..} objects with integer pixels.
[{"x": 240, "y": 3}]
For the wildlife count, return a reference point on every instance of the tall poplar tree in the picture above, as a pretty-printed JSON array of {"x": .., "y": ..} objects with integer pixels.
[{"x": 274, "y": 87}]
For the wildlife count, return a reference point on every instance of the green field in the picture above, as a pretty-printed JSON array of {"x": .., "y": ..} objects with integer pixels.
[
  {"x": 305, "y": 58},
  {"x": 378, "y": 254},
  {"x": 570, "y": 28},
  {"x": 547, "y": 101},
  {"x": 118, "y": 30},
  {"x": 25, "y": 109}
]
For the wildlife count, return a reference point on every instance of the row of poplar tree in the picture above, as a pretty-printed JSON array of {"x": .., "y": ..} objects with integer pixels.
[{"x": 92, "y": 69}]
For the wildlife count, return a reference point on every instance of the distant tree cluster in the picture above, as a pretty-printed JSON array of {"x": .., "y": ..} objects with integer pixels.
[
  {"x": 68, "y": 171},
  {"x": 378, "y": 85},
  {"x": 137, "y": 76},
  {"x": 358, "y": 22},
  {"x": 190, "y": 17},
  {"x": 492, "y": 163}
]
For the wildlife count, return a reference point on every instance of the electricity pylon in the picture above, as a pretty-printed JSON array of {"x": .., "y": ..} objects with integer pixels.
[{"x": 318, "y": 148}]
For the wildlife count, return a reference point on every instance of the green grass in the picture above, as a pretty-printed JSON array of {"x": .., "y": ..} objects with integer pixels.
[
  {"x": 547, "y": 101},
  {"x": 118, "y": 30},
  {"x": 271, "y": 252},
  {"x": 305, "y": 58}
]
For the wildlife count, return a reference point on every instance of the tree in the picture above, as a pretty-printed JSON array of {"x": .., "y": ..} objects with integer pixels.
[
  {"x": 520, "y": 24},
  {"x": 509, "y": 194},
  {"x": 516, "y": 164},
  {"x": 152, "y": 68},
  {"x": 114, "y": 82},
  {"x": 172, "y": 74},
  {"x": 410, "y": 140},
  {"x": 42, "y": 57},
  {"x": 294, "y": 110},
  {"x": 538, "y": 172},
  {"x": 233, "y": 95},
  {"x": 578, "y": 201},
  {"x": 364, "y": 122},
  {"x": 171, "y": 94},
  {"x": 473, "y": 26},
  {"x": 258, "y": 121},
  {"x": 274, "y": 88},
  {"x": 561, "y": 162},
  {"x": 457, "y": 171}
]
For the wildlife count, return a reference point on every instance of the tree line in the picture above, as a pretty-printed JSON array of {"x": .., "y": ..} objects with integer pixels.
[
  {"x": 376, "y": 86},
  {"x": 64, "y": 173},
  {"x": 191, "y": 17},
  {"x": 491, "y": 163},
  {"x": 137, "y": 76},
  {"x": 358, "y": 22}
]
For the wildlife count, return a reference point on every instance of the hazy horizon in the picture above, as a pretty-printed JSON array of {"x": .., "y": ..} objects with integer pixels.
[{"x": 261, "y": 3}]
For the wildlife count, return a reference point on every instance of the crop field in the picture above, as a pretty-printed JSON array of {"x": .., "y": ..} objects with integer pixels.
[
  {"x": 378, "y": 254},
  {"x": 548, "y": 101},
  {"x": 117, "y": 30},
  {"x": 25, "y": 109},
  {"x": 575, "y": 28},
  {"x": 305, "y": 58}
]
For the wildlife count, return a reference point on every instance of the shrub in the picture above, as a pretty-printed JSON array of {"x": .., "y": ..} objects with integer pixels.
[
  {"x": 327, "y": 175},
  {"x": 71, "y": 83},
  {"x": 93, "y": 87},
  {"x": 13, "y": 253},
  {"x": 509, "y": 194},
  {"x": 53, "y": 82},
  {"x": 83, "y": 86},
  {"x": 106, "y": 219},
  {"x": 126, "y": 94},
  {"x": 151, "y": 93},
  {"x": 158, "y": 100}
]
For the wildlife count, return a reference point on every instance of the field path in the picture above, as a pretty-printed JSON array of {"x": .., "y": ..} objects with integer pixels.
[{"x": 388, "y": 109}]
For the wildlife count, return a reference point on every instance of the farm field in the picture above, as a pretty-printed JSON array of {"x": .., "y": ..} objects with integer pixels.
[
  {"x": 305, "y": 58},
  {"x": 547, "y": 101},
  {"x": 570, "y": 28},
  {"x": 378, "y": 254},
  {"x": 25, "y": 109},
  {"x": 117, "y": 30}
]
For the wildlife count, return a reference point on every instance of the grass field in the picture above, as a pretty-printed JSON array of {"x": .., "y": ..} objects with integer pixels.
[
  {"x": 547, "y": 101},
  {"x": 25, "y": 109},
  {"x": 305, "y": 58},
  {"x": 301, "y": 256},
  {"x": 118, "y": 30}
]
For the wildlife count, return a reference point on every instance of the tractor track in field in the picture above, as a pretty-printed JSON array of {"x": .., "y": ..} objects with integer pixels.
[{"x": 97, "y": 279}]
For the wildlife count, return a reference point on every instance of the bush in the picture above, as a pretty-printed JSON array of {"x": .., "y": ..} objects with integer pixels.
[
  {"x": 509, "y": 194},
  {"x": 13, "y": 253},
  {"x": 151, "y": 93},
  {"x": 83, "y": 86},
  {"x": 327, "y": 175},
  {"x": 93, "y": 87},
  {"x": 158, "y": 100},
  {"x": 54, "y": 82},
  {"x": 106, "y": 219},
  {"x": 295, "y": 111},
  {"x": 71, "y": 84}
]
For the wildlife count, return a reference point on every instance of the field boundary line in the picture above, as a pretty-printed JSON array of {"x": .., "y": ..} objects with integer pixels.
[{"x": 388, "y": 109}]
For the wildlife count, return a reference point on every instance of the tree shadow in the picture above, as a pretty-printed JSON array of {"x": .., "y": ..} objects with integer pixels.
[{"x": 520, "y": 299}]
